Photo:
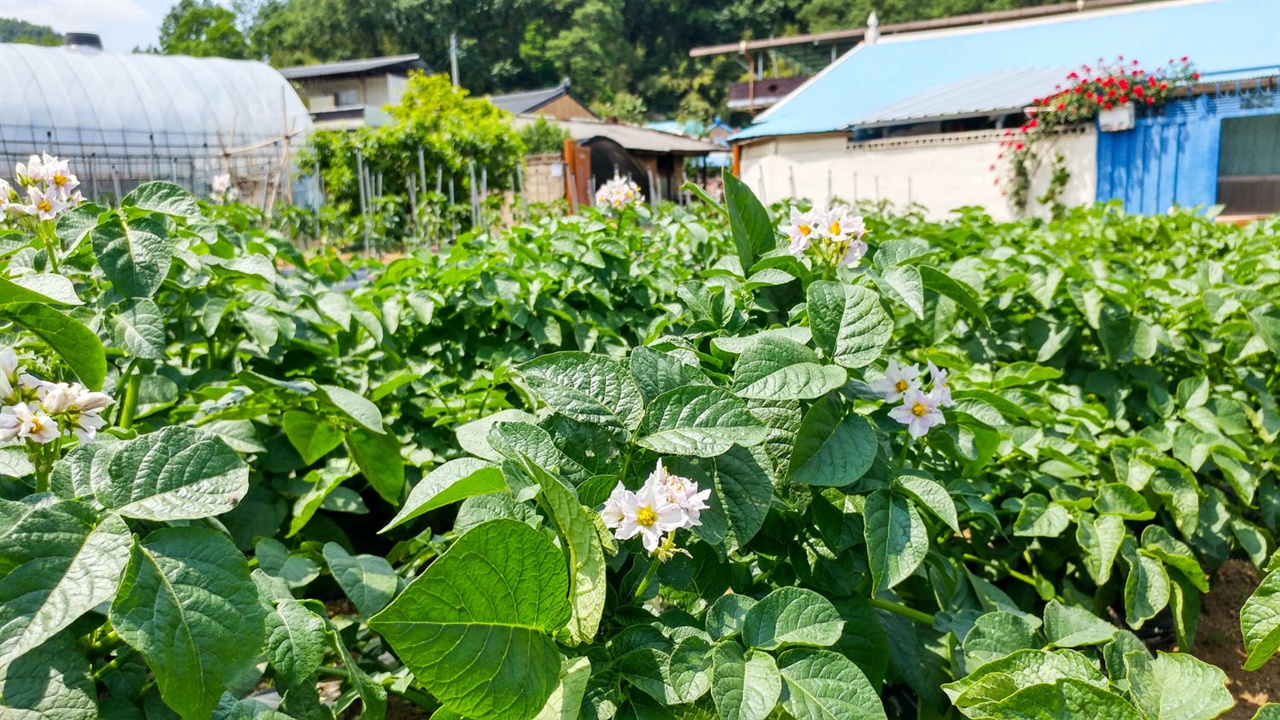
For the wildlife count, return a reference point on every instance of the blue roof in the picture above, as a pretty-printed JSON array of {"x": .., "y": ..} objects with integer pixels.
[{"x": 1219, "y": 36}]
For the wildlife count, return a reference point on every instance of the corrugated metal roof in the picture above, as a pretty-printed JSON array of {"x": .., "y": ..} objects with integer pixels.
[
  {"x": 1000, "y": 92},
  {"x": 632, "y": 137},
  {"x": 528, "y": 100},
  {"x": 353, "y": 67},
  {"x": 1219, "y": 36}
]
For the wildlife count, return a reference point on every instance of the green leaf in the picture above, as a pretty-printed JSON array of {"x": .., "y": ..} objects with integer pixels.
[
  {"x": 648, "y": 670},
  {"x": 76, "y": 344},
  {"x": 1100, "y": 539},
  {"x": 699, "y": 420},
  {"x": 792, "y": 616},
  {"x": 368, "y": 580},
  {"x": 1122, "y": 500},
  {"x": 588, "y": 388},
  {"x": 1033, "y": 667},
  {"x": 1041, "y": 518},
  {"x": 832, "y": 448},
  {"x": 294, "y": 642},
  {"x": 378, "y": 457},
  {"x": 1184, "y": 605},
  {"x": 939, "y": 282},
  {"x": 165, "y": 198},
  {"x": 1269, "y": 711},
  {"x": 897, "y": 539},
  {"x": 476, "y": 627},
  {"x": 135, "y": 256},
  {"x": 726, "y": 615},
  {"x": 995, "y": 635},
  {"x": 1266, "y": 323},
  {"x": 518, "y": 440},
  {"x": 58, "y": 560},
  {"x": 565, "y": 702},
  {"x": 848, "y": 323},
  {"x": 822, "y": 685},
  {"x": 690, "y": 668},
  {"x": 742, "y": 491},
  {"x": 355, "y": 406},
  {"x": 743, "y": 688},
  {"x": 51, "y": 682},
  {"x": 1066, "y": 626},
  {"x": 139, "y": 329},
  {"x": 313, "y": 436},
  {"x": 474, "y": 436},
  {"x": 175, "y": 473},
  {"x": 903, "y": 282},
  {"x": 1146, "y": 590},
  {"x": 774, "y": 368},
  {"x": 1260, "y": 622},
  {"x": 1174, "y": 553},
  {"x": 296, "y": 569},
  {"x": 657, "y": 372},
  {"x": 578, "y": 535},
  {"x": 932, "y": 495},
  {"x": 451, "y": 482},
  {"x": 188, "y": 605},
  {"x": 323, "y": 483},
  {"x": 48, "y": 289},
  {"x": 1177, "y": 687},
  {"x": 1065, "y": 699},
  {"x": 749, "y": 222},
  {"x": 73, "y": 474}
]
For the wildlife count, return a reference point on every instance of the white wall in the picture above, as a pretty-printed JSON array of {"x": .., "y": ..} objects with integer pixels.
[{"x": 940, "y": 172}]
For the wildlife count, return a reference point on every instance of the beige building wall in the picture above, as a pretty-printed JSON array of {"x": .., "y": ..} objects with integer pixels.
[{"x": 939, "y": 172}]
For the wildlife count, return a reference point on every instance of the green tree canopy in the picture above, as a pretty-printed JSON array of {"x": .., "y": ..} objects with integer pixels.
[
  {"x": 20, "y": 31},
  {"x": 202, "y": 29}
]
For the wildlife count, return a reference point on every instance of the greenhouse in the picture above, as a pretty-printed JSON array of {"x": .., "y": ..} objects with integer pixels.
[{"x": 124, "y": 119}]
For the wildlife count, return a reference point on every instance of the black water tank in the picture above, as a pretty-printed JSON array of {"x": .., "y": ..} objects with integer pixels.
[{"x": 82, "y": 39}]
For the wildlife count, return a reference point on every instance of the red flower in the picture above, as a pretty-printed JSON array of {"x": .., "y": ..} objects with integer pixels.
[
  {"x": 1107, "y": 106},
  {"x": 1018, "y": 147},
  {"x": 1164, "y": 85},
  {"x": 1151, "y": 101},
  {"x": 1119, "y": 57},
  {"x": 1007, "y": 133},
  {"x": 1124, "y": 98},
  {"x": 1152, "y": 80},
  {"x": 1195, "y": 76},
  {"x": 1137, "y": 73},
  {"x": 993, "y": 167},
  {"x": 1001, "y": 155},
  {"x": 1033, "y": 122},
  {"x": 1184, "y": 58},
  {"x": 1135, "y": 61},
  {"x": 1108, "y": 82},
  {"x": 1062, "y": 106},
  {"x": 1023, "y": 129},
  {"x": 1111, "y": 92},
  {"x": 1137, "y": 90}
]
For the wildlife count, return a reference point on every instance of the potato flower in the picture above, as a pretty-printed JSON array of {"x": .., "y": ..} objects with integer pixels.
[
  {"x": 833, "y": 235},
  {"x": 664, "y": 504},
  {"x": 918, "y": 412},
  {"x": 897, "y": 381},
  {"x": 801, "y": 231},
  {"x": 619, "y": 193}
]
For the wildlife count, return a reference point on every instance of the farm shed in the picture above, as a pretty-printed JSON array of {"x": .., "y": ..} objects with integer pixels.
[
  {"x": 866, "y": 128},
  {"x": 556, "y": 103},
  {"x": 124, "y": 119}
]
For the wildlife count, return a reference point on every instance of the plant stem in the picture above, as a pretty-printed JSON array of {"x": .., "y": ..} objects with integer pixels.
[
  {"x": 334, "y": 671},
  {"x": 1023, "y": 577},
  {"x": 130, "y": 404},
  {"x": 644, "y": 582},
  {"x": 902, "y": 456},
  {"x": 899, "y": 609},
  {"x": 43, "y": 461},
  {"x": 115, "y": 663}
]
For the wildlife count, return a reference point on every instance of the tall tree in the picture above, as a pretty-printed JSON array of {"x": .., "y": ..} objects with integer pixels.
[{"x": 202, "y": 29}]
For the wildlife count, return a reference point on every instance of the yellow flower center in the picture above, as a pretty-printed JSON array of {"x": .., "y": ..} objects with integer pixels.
[
  {"x": 45, "y": 205},
  {"x": 919, "y": 410},
  {"x": 36, "y": 425},
  {"x": 804, "y": 229},
  {"x": 901, "y": 386},
  {"x": 59, "y": 179},
  {"x": 646, "y": 517},
  {"x": 835, "y": 228}
]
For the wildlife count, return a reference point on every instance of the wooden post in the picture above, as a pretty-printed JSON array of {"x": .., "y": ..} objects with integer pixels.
[
  {"x": 737, "y": 161},
  {"x": 570, "y": 182}
]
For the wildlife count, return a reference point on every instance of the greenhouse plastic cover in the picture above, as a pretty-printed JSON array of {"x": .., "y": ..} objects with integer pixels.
[{"x": 83, "y": 101}]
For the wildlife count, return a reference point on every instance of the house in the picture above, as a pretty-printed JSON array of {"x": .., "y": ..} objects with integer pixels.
[
  {"x": 556, "y": 103},
  {"x": 652, "y": 158},
  {"x": 918, "y": 117},
  {"x": 352, "y": 93}
]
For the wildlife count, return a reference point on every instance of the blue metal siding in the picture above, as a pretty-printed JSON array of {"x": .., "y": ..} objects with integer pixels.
[{"x": 1171, "y": 157}]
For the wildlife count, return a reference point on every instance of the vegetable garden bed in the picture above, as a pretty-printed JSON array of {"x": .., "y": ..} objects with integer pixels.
[{"x": 713, "y": 462}]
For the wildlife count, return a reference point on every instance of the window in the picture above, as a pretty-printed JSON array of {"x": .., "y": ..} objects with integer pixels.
[
  {"x": 1249, "y": 165},
  {"x": 347, "y": 98}
]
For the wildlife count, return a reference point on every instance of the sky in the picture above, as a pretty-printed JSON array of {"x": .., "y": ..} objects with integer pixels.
[{"x": 122, "y": 24}]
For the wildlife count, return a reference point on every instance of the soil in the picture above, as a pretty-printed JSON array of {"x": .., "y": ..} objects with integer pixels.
[{"x": 1218, "y": 640}]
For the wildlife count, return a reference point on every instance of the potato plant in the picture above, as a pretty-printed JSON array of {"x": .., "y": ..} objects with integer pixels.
[{"x": 725, "y": 462}]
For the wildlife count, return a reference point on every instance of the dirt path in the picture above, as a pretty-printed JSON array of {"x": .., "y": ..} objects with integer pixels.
[{"x": 1218, "y": 640}]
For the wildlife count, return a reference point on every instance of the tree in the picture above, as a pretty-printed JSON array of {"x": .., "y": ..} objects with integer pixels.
[
  {"x": 202, "y": 29},
  {"x": 19, "y": 31}
]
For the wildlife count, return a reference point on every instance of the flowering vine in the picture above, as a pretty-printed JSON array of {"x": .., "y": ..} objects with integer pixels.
[{"x": 1087, "y": 91}]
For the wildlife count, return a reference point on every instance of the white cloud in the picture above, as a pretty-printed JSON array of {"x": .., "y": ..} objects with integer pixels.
[{"x": 122, "y": 24}]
